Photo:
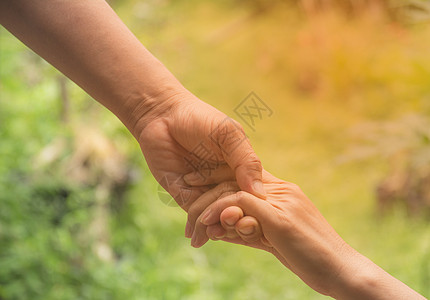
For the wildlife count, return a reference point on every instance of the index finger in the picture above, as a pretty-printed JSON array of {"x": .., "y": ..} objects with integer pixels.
[{"x": 240, "y": 156}]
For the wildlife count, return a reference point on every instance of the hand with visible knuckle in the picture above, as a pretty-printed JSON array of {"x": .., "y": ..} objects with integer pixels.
[
  {"x": 274, "y": 218},
  {"x": 296, "y": 233}
]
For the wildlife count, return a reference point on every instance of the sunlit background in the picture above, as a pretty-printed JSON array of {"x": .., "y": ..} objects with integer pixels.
[{"x": 349, "y": 87}]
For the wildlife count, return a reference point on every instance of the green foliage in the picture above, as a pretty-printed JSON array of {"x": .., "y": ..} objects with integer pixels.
[{"x": 319, "y": 84}]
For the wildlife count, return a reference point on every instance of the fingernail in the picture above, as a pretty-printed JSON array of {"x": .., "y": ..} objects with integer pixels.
[
  {"x": 259, "y": 188},
  {"x": 247, "y": 230},
  {"x": 188, "y": 230},
  {"x": 205, "y": 218},
  {"x": 220, "y": 236},
  {"x": 192, "y": 178}
]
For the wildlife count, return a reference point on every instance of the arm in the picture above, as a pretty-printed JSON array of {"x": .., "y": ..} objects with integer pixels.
[
  {"x": 306, "y": 243},
  {"x": 88, "y": 42}
]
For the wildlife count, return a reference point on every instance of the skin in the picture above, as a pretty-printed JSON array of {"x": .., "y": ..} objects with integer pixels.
[
  {"x": 299, "y": 236},
  {"x": 88, "y": 42},
  {"x": 233, "y": 227}
]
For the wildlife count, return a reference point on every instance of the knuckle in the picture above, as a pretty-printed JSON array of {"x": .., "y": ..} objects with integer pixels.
[
  {"x": 253, "y": 162},
  {"x": 227, "y": 186},
  {"x": 225, "y": 194},
  {"x": 227, "y": 125},
  {"x": 193, "y": 213},
  {"x": 241, "y": 196},
  {"x": 235, "y": 125},
  {"x": 227, "y": 130},
  {"x": 294, "y": 187}
]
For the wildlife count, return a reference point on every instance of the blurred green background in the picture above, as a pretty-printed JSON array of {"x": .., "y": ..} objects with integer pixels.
[{"x": 349, "y": 86}]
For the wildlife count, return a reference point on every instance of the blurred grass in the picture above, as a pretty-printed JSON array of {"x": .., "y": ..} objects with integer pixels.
[{"x": 321, "y": 75}]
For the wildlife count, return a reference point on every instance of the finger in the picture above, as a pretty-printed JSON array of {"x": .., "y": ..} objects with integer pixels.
[
  {"x": 238, "y": 153},
  {"x": 199, "y": 237},
  {"x": 215, "y": 232},
  {"x": 250, "y": 205},
  {"x": 199, "y": 205},
  {"x": 183, "y": 194},
  {"x": 249, "y": 229},
  {"x": 232, "y": 218},
  {"x": 218, "y": 175},
  {"x": 202, "y": 233},
  {"x": 229, "y": 217}
]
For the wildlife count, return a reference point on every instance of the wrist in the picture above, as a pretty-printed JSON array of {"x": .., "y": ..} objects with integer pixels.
[
  {"x": 349, "y": 274},
  {"x": 362, "y": 279},
  {"x": 357, "y": 279},
  {"x": 143, "y": 109}
]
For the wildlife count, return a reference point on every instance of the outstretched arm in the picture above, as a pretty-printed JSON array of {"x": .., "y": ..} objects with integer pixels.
[
  {"x": 87, "y": 41},
  {"x": 305, "y": 242}
]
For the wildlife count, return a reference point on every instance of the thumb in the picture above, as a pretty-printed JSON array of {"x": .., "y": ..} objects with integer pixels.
[{"x": 238, "y": 153}]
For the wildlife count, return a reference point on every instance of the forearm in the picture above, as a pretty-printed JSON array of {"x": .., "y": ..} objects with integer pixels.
[
  {"x": 88, "y": 42},
  {"x": 332, "y": 267},
  {"x": 362, "y": 279}
]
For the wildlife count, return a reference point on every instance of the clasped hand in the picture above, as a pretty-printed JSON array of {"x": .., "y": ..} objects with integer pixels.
[{"x": 286, "y": 224}]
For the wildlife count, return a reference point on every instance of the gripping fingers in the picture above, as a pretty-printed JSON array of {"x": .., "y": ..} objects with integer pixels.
[
  {"x": 216, "y": 232},
  {"x": 220, "y": 174},
  {"x": 251, "y": 206},
  {"x": 241, "y": 157},
  {"x": 229, "y": 217},
  {"x": 204, "y": 201},
  {"x": 199, "y": 237},
  {"x": 238, "y": 225},
  {"x": 235, "y": 225},
  {"x": 201, "y": 232},
  {"x": 249, "y": 229}
]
